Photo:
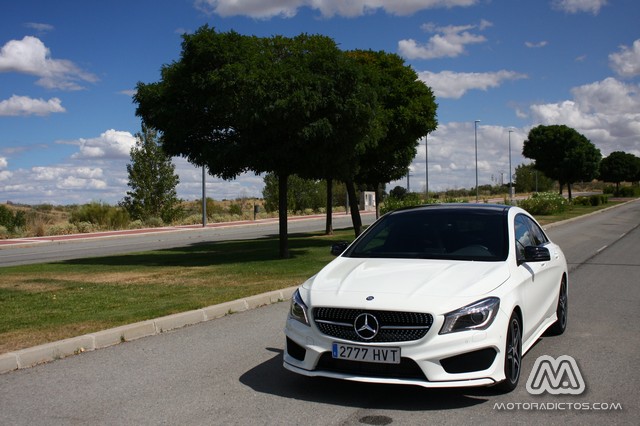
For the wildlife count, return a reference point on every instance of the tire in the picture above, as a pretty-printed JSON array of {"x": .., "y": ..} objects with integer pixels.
[
  {"x": 558, "y": 327},
  {"x": 512, "y": 355}
]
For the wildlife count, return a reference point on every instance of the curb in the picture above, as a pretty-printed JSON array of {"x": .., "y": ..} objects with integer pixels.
[{"x": 26, "y": 358}]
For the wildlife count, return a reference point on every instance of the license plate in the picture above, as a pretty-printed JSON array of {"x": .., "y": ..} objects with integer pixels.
[{"x": 383, "y": 355}]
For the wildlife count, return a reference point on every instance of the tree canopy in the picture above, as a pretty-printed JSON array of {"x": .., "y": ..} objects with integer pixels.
[
  {"x": 562, "y": 153},
  {"x": 287, "y": 106},
  {"x": 620, "y": 167},
  {"x": 407, "y": 113}
]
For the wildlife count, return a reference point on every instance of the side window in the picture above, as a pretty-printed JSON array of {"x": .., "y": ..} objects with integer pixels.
[
  {"x": 523, "y": 236},
  {"x": 537, "y": 235}
]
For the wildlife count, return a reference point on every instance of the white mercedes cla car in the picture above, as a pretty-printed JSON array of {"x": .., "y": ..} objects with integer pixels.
[{"x": 447, "y": 295}]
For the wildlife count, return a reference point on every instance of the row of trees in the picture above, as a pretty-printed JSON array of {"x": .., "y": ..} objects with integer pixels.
[
  {"x": 153, "y": 180},
  {"x": 620, "y": 167},
  {"x": 567, "y": 156},
  {"x": 289, "y": 106}
]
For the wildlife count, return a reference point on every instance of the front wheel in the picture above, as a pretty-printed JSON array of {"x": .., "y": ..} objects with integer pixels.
[
  {"x": 558, "y": 327},
  {"x": 513, "y": 355}
]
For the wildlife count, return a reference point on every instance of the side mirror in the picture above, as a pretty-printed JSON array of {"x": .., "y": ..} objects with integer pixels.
[
  {"x": 536, "y": 254},
  {"x": 338, "y": 248}
]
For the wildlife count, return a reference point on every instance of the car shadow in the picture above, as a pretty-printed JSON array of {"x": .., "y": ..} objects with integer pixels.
[{"x": 272, "y": 378}]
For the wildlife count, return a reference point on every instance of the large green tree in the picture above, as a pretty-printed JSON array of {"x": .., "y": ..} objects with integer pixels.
[
  {"x": 152, "y": 180},
  {"x": 562, "y": 153},
  {"x": 619, "y": 167},
  {"x": 236, "y": 103},
  {"x": 407, "y": 113}
]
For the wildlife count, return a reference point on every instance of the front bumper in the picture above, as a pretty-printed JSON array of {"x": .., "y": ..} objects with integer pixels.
[{"x": 462, "y": 359}]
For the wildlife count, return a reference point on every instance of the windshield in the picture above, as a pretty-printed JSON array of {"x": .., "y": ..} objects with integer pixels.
[{"x": 455, "y": 234}]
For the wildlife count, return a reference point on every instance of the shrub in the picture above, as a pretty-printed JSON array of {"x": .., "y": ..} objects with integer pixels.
[
  {"x": 64, "y": 229},
  {"x": 37, "y": 225},
  {"x": 101, "y": 215},
  {"x": 544, "y": 203},
  {"x": 12, "y": 221},
  {"x": 393, "y": 202},
  {"x": 85, "y": 227},
  {"x": 192, "y": 219},
  {"x": 154, "y": 222},
  {"x": 598, "y": 199},
  {"x": 629, "y": 191},
  {"x": 136, "y": 224},
  {"x": 235, "y": 210},
  {"x": 4, "y": 232},
  {"x": 581, "y": 201}
]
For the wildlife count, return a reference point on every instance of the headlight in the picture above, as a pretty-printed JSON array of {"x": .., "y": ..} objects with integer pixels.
[
  {"x": 298, "y": 310},
  {"x": 477, "y": 316}
]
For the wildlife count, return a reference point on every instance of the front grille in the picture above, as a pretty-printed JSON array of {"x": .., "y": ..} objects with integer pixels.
[
  {"x": 394, "y": 326},
  {"x": 407, "y": 369}
]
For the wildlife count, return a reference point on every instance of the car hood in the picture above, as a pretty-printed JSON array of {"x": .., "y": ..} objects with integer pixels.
[{"x": 407, "y": 283}]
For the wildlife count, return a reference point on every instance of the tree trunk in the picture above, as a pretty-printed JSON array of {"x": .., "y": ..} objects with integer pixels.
[
  {"x": 569, "y": 191},
  {"x": 329, "y": 226},
  {"x": 353, "y": 207},
  {"x": 282, "y": 215}
]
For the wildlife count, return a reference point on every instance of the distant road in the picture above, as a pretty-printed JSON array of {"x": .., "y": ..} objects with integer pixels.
[{"x": 53, "y": 249}]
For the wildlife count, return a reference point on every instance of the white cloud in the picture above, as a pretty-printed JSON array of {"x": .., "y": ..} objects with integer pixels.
[
  {"x": 97, "y": 171},
  {"x": 31, "y": 56},
  {"x": 449, "y": 41},
  {"x": 449, "y": 84},
  {"x": 128, "y": 92},
  {"x": 626, "y": 62},
  {"x": 112, "y": 144},
  {"x": 533, "y": 45},
  {"x": 576, "y": 6},
  {"x": 23, "y": 105},
  {"x": 39, "y": 27},
  {"x": 452, "y": 157},
  {"x": 74, "y": 183},
  {"x": 265, "y": 9},
  {"x": 607, "y": 112}
]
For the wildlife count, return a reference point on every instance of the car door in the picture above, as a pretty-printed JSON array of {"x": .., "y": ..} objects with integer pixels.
[
  {"x": 545, "y": 289},
  {"x": 533, "y": 276}
]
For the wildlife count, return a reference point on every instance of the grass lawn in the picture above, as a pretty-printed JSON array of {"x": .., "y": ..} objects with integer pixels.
[
  {"x": 47, "y": 302},
  {"x": 574, "y": 211}
]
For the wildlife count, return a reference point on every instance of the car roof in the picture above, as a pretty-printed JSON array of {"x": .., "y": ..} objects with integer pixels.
[{"x": 459, "y": 207}]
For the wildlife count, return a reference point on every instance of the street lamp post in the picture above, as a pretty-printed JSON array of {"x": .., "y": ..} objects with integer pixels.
[
  {"x": 204, "y": 197},
  {"x": 510, "y": 174},
  {"x": 475, "y": 129},
  {"x": 426, "y": 164}
]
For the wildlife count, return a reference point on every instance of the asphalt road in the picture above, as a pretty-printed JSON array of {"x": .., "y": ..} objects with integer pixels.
[
  {"x": 229, "y": 371},
  {"x": 53, "y": 249}
]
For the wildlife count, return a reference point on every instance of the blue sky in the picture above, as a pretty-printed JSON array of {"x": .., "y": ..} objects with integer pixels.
[{"x": 68, "y": 70}]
